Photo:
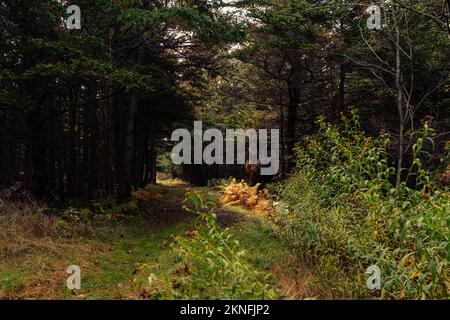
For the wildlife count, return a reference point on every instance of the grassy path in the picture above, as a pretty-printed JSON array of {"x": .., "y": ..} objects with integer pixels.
[{"x": 117, "y": 257}]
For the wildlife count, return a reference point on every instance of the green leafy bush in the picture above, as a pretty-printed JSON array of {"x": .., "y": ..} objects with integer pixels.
[
  {"x": 341, "y": 210},
  {"x": 212, "y": 265}
]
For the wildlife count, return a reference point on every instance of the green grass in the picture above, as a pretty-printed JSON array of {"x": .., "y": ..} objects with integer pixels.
[
  {"x": 115, "y": 264},
  {"x": 258, "y": 240},
  {"x": 117, "y": 258},
  {"x": 136, "y": 252},
  {"x": 12, "y": 280}
]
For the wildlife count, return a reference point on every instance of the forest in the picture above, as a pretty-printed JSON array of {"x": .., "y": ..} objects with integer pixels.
[{"x": 348, "y": 103}]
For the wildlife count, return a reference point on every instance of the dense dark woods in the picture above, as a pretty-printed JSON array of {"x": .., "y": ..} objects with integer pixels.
[{"x": 85, "y": 113}]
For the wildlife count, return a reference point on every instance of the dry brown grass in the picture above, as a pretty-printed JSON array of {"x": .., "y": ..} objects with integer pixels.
[
  {"x": 296, "y": 281},
  {"x": 36, "y": 244},
  {"x": 45, "y": 273},
  {"x": 23, "y": 226},
  {"x": 23, "y": 221},
  {"x": 147, "y": 195}
]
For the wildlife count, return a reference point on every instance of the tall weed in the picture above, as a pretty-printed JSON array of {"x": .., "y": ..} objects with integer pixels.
[{"x": 341, "y": 209}]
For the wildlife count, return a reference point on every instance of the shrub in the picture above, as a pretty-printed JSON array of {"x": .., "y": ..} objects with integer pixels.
[
  {"x": 341, "y": 209},
  {"x": 240, "y": 193}
]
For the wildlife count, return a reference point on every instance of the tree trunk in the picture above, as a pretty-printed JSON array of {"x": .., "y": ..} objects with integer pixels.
[
  {"x": 38, "y": 154},
  {"x": 109, "y": 160},
  {"x": 341, "y": 90},
  {"x": 294, "y": 101},
  {"x": 398, "y": 85},
  {"x": 128, "y": 155},
  {"x": 152, "y": 163}
]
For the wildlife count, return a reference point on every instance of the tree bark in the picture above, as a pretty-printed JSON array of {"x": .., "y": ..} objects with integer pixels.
[
  {"x": 294, "y": 101},
  {"x": 129, "y": 149},
  {"x": 109, "y": 159},
  {"x": 398, "y": 85}
]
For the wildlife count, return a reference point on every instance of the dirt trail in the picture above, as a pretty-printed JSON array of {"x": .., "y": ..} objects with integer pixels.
[{"x": 171, "y": 212}]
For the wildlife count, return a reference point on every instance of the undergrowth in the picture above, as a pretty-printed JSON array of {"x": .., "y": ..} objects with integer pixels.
[
  {"x": 341, "y": 210},
  {"x": 212, "y": 264}
]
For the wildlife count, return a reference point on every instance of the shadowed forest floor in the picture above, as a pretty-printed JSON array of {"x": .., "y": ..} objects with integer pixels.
[{"x": 117, "y": 257}]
